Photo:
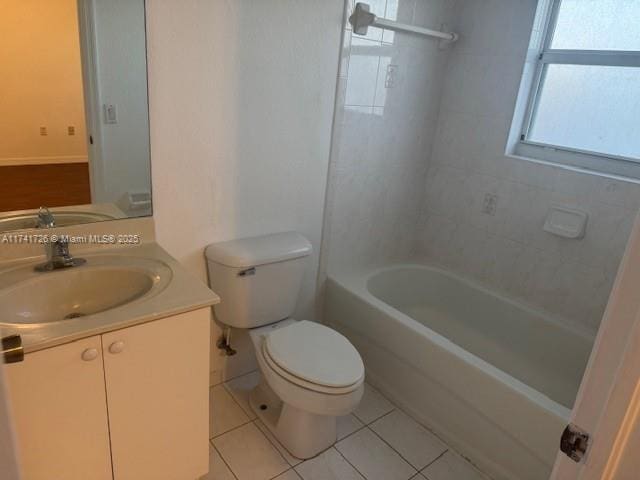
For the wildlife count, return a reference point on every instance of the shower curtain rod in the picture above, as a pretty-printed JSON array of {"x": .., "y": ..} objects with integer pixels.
[{"x": 362, "y": 19}]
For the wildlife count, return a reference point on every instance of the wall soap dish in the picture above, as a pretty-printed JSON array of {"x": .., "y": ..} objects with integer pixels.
[{"x": 566, "y": 222}]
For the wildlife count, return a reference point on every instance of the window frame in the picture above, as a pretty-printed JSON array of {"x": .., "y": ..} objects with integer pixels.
[{"x": 545, "y": 55}]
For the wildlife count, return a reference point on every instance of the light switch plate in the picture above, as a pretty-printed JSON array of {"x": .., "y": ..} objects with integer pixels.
[{"x": 110, "y": 114}]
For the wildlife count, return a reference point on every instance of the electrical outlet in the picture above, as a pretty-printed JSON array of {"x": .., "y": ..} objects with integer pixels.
[
  {"x": 71, "y": 130},
  {"x": 490, "y": 204},
  {"x": 43, "y": 131}
]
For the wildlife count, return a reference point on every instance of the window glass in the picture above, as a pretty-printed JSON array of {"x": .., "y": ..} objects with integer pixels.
[
  {"x": 592, "y": 108},
  {"x": 598, "y": 25}
]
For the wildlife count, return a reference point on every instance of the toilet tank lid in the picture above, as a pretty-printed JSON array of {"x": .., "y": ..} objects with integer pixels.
[{"x": 253, "y": 251}]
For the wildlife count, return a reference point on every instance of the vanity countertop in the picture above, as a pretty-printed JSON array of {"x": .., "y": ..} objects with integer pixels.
[{"x": 183, "y": 293}]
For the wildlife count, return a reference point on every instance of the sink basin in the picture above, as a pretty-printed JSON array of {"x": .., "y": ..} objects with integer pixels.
[
  {"x": 29, "y": 298},
  {"x": 24, "y": 221}
]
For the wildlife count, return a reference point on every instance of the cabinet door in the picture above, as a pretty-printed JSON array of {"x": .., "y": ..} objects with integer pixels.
[
  {"x": 157, "y": 378},
  {"x": 58, "y": 403}
]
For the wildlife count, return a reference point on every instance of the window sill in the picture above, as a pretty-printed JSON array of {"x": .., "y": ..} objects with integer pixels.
[{"x": 578, "y": 162}]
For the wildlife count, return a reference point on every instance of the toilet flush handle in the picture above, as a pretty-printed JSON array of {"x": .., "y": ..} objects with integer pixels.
[{"x": 247, "y": 272}]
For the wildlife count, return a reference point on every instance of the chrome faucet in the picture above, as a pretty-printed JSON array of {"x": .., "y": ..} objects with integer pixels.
[
  {"x": 45, "y": 218},
  {"x": 58, "y": 257},
  {"x": 57, "y": 250}
]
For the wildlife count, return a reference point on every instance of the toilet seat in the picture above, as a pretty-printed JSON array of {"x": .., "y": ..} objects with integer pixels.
[{"x": 314, "y": 357}]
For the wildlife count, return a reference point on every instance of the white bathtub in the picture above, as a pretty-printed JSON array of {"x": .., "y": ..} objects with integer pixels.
[{"x": 494, "y": 378}]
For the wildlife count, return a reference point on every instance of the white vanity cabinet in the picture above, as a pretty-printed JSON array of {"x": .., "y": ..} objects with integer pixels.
[
  {"x": 58, "y": 404},
  {"x": 132, "y": 403}
]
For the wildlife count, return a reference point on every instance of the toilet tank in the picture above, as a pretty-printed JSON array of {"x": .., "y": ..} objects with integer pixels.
[{"x": 258, "y": 278}]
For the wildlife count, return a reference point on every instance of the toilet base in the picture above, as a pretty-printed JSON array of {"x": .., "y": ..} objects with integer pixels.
[{"x": 302, "y": 433}]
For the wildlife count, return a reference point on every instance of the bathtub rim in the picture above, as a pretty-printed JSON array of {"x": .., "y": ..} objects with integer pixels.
[
  {"x": 583, "y": 332},
  {"x": 356, "y": 282}
]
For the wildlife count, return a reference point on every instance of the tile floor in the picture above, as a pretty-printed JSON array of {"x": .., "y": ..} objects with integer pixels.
[{"x": 377, "y": 442}]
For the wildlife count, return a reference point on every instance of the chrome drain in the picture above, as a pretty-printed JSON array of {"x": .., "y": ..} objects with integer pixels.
[{"x": 73, "y": 315}]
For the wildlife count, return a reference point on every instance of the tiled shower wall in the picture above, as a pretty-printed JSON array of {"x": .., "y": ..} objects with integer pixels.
[
  {"x": 389, "y": 92},
  {"x": 508, "y": 250},
  {"x": 440, "y": 119}
]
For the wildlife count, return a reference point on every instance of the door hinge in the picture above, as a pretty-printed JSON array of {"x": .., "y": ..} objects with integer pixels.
[{"x": 574, "y": 443}]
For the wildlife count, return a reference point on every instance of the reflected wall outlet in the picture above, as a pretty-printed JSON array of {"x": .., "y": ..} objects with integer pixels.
[{"x": 490, "y": 204}]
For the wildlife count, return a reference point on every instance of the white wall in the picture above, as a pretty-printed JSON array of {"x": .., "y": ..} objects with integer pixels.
[
  {"x": 41, "y": 82},
  {"x": 382, "y": 136},
  {"x": 241, "y": 98},
  {"x": 509, "y": 251},
  {"x": 122, "y": 80}
]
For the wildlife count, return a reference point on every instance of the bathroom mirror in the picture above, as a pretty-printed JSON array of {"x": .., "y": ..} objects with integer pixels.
[{"x": 74, "y": 121}]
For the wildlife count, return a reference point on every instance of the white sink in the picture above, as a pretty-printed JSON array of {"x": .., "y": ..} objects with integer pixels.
[{"x": 30, "y": 298}]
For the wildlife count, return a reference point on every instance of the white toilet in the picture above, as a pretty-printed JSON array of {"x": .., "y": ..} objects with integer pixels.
[{"x": 311, "y": 374}]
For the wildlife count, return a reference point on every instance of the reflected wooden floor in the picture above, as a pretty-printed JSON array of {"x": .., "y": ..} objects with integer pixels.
[{"x": 53, "y": 185}]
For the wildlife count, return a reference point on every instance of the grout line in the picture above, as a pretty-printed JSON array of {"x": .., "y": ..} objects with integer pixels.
[
  {"x": 282, "y": 473},
  {"x": 352, "y": 465},
  {"x": 223, "y": 460},
  {"x": 380, "y": 418},
  {"x": 434, "y": 461},
  {"x": 442, "y": 440},
  {"x": 224, "y": 386},
  {"x": 227, "y": 380},
  {"x": 230, "y": 430},
  {"x": 271, "y": 443},
  {"x": 350, "y": 435},
  {"x": 266, "y": 438},
  {"x": 233, "y": 397},
  {"x": 366, "y": 424},
  {"x": 470, "y": 462},
  {"x": 274, "y": 444},
  {"x": 391, "y": 447}
]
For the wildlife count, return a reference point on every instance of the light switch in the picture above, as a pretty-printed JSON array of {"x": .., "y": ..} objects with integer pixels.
[
  {"x": 390, "y": 79},
  {"x": 43, "y": 131},
  {"x": 110, "y": 114},
  {"x": 71, "y": 130}
]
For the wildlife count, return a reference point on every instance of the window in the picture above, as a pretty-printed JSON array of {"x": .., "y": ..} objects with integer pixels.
[{"x": 585, "y": 97}]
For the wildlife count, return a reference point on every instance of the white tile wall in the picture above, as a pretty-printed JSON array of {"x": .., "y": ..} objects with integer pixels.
[
  {"x": 378, "y": 167},
  {"x": 445, "y": 125},
  {"x": 509, "y": 251}
]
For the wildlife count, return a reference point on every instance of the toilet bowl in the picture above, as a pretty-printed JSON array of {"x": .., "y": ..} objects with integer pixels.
[{"x": 311, "y": 374}]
